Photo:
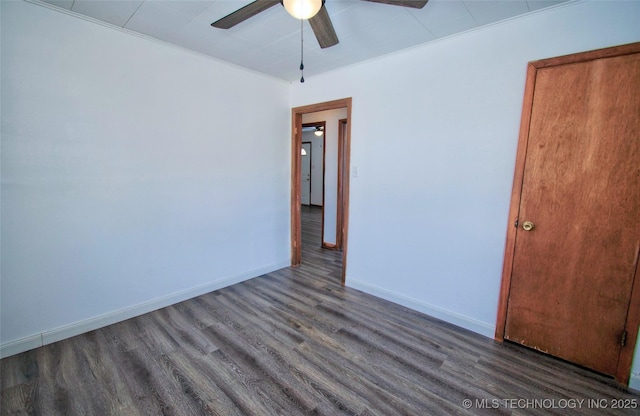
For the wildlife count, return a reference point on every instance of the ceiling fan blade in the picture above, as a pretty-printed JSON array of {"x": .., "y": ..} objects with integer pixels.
[
  {"x": 323, "y": 29},
  {"x": 416, "y": 4},
  {"x": 244, "y": 13}
]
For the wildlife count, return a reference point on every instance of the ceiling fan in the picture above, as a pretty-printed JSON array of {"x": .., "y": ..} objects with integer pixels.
[{"x": 320, "y": 22}]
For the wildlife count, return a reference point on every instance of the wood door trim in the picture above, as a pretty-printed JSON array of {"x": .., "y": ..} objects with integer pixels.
[
  {"x": 631, "y": 327},
  {"x": 296, "y": 143},
  {"x": 342, "y": 142},
  {"x": 296, "y": 168},
  {"x": 514, "y": 207},
  {"x": 628, "y": 49},
  {"x": 633, "y": 316},
  {"x": 324, "y": 179}
]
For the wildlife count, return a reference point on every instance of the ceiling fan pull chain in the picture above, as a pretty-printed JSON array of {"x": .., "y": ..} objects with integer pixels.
[{"x": 301, "y": 52}]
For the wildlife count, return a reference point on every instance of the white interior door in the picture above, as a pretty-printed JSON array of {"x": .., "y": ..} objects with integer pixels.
[{"x": 305, "y": 175}]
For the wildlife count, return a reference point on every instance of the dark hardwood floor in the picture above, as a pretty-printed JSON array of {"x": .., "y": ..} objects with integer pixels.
[{"x": 296, "y": 342}]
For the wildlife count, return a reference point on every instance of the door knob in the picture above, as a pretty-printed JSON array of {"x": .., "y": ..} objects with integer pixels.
[{"x": 527, "y": 226}]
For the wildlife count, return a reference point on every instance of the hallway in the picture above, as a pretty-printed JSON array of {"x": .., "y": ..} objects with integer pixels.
[{"x": 315, "y": 258}]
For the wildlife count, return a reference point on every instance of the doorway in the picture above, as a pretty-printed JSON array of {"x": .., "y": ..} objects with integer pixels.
[
  {"x": 569, "y": 284},
  {"x": 343, "y": 179},
  {"x": 314, "y": 133}
]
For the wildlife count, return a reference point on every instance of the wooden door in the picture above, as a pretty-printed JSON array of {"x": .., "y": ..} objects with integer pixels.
[{"x": 576, "y": 236}]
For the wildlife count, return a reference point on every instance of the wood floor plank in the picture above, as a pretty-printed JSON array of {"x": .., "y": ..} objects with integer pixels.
[
  {"x": 196, "y": 384},
  {"x": 342, "y": 385},
  {"x": 17, "y": 400},
  {"x": 293, "y": 342}
]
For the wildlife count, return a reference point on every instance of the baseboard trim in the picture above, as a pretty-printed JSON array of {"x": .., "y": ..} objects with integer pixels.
[
  {"x": 20, "y": 345},
  {"x": 67, "y": 331},
  {"x": 454, "y": 318}
]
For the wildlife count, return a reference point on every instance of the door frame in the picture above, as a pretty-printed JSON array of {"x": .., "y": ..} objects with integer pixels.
[
  {"x": 633, "y": 315},
  {"x": 296, "y": 144},
  {"x": 343, "y": 177}
]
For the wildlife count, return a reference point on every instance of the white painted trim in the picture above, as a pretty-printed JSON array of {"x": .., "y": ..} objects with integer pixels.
[
  {"x": 463, "y": 321},
  {"x": 77, "y": 328},
  {"x": 634, "y": 382},
  {"x": 23, "y": 344}
]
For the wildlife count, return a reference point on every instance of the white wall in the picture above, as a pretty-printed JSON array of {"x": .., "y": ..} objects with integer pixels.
[
  {"x": 332, "y": 118},
  {"x": 434, "y": 135},
  {"x": 134, "y": 174}
]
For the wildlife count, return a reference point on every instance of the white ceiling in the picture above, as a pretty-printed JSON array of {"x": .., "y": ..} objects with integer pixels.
[{"x": 270, "y": 42}]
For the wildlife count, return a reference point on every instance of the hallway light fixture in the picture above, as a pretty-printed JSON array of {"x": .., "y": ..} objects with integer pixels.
[{"x": 318, "y": 131}]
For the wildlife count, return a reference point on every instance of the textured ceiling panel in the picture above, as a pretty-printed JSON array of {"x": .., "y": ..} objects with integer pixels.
[{"x": 270, "y": 41}]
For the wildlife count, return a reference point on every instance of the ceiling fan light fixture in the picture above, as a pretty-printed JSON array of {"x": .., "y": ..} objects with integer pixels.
[
  {"x": 302, "y": 9},
  {"x": 318, "y": 131}
]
